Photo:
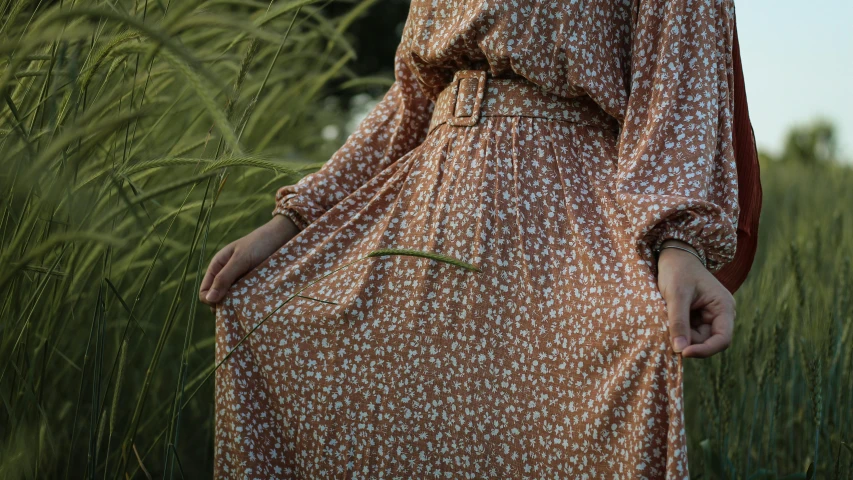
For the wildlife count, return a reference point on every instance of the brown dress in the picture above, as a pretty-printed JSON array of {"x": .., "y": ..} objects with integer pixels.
[{"x": 553, "y": 361}]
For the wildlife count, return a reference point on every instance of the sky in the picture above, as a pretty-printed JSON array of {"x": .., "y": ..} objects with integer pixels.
[{"x": 797, "y": 64}]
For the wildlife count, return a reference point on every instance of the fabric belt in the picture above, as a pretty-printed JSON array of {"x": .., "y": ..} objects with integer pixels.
[{"x": 474, "y": 94}]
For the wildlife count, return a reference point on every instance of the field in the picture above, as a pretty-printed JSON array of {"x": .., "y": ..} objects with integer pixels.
[{"x": 138, "y": 138}]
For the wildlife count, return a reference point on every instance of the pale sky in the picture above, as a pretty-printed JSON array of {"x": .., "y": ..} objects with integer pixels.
[{"x": 797, "y": 64}]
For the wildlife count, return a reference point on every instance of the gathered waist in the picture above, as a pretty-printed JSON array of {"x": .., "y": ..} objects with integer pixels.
[{"x": 474, "y": 94}]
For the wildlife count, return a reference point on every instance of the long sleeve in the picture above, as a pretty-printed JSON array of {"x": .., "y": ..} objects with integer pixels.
[
  {"x": 396, "y": 125},
  {"x": 677, "y": 171}
]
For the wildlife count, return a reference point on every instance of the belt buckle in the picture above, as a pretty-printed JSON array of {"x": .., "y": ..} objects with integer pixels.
[{"x": 468, "y": 120}]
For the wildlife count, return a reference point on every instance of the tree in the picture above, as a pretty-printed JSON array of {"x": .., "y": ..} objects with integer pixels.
[{"x": 811, "y": 144}]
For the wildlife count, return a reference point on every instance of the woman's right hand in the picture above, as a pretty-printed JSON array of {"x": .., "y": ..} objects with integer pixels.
[{"x": 242, "y": 255}]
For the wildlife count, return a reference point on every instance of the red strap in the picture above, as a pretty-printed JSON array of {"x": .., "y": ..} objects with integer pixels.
[{"x": 733, "y": 274}]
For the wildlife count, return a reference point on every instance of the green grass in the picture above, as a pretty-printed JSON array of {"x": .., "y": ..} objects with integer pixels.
[
  {"x": 138, "y": 137},
  {"x": 779, "y": 398}
]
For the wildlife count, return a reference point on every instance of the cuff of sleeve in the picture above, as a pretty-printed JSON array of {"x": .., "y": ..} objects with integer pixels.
[
  {"x": 293, "y": 215},
  {"x": 285, "y": 205}
]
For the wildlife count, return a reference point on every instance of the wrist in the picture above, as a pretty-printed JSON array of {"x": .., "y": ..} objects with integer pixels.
[
  {"x": 674, "y": 244},
  {"x": 283, "y": 227}
]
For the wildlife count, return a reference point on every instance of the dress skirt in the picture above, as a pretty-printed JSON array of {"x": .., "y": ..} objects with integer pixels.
[{"x": 551, "y": 361}]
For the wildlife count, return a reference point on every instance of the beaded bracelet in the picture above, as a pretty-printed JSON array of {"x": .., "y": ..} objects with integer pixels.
[{"x": 686, "y": 250}]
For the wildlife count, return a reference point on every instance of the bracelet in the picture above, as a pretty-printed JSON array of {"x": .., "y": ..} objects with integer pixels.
[{"x": 686, "y": 250}]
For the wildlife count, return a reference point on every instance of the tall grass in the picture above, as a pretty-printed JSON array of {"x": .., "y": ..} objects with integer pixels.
[
  {"x": 779, "y": 399},
  {"x": 139, "y": 136}
]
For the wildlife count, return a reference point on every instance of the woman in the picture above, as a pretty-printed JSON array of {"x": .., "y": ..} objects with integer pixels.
[{"x": 559, "y": 147}]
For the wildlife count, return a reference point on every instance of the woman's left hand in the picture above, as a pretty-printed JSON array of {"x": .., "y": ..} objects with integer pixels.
[{"x": 701, "y": 310}]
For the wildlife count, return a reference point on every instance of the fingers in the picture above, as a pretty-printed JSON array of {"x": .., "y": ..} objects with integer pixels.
[
  {"x": 716, "y": 343},
  {"x": 720, "y": 312},
  {"x": 699, "y": 330},
  {"x": 224, "y": 279},
  {"x": 700, "y": 334},
  {"x": 678, "y": 301},
  {"x": 219, "y": 261}
]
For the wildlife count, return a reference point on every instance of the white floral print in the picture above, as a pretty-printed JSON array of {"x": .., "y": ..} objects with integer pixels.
[{"x": 554, "y": 360}]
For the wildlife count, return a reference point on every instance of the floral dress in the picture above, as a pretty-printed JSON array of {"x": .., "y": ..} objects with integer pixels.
[{"x": 552, "y": 361}]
